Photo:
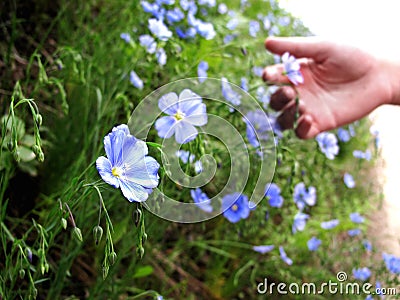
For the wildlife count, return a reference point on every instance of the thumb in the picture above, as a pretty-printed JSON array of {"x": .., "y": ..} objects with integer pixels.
[{"x": 300, "y": 47}]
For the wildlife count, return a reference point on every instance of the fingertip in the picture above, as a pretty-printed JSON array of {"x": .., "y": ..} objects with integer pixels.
[{"x": 305, "y": 128}]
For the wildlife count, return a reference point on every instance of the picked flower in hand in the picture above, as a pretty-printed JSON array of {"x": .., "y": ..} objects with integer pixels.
[{"x": 292, "y": 69}]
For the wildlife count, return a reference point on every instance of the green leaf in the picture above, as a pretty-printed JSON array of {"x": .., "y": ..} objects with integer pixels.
[
  {"x": 151, "y": 144},
  {"x": 143, "y": 271}
]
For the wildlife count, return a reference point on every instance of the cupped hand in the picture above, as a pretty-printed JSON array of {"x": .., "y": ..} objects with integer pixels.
[{"x": 341, "y": 84}]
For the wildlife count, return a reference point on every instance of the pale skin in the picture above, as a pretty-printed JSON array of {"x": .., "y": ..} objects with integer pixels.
[{"x": 341, "y": 84}]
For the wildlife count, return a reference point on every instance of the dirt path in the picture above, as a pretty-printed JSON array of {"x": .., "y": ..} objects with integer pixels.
[{"x": 385, "y": 225}]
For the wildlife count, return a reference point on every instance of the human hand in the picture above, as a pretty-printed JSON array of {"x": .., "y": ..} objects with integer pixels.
[{"x": 341, "y": 84}]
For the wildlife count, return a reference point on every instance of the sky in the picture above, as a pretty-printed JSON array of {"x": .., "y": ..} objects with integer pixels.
[{"x": 369, "y": 24}]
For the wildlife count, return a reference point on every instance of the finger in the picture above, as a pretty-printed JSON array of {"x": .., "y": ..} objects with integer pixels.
[
  {"x": 287, "y": 117},
  {"x": 274, "y": 75},
  {"x": 282, "y": 97},
  {"x": 305, "y": 128},
  {"x": 310, "y": 47}
]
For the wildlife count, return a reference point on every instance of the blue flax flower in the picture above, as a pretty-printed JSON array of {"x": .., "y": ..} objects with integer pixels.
[
  {"x": 392, "y": 263},
  {"x": 361, "y": 273},
  {"x": 198, "y": 166},
  {"x": 135, "y": 80},
  {"x": 292, "y": 69},
  {"x": 244, "y": 84},
  {"x": 273, "y": 192},
  {"x": 254, "y": 28},
  {"x": 356, "y": 218},
  {"x": 257, "y": 127},
  {"x": 330, "y": 224},
  {"x": 328, "y": 144},
  {"x": 158, "y": 28},
  {"x": 201, "y": 200},
  {"x": 235, "y": 207},
  {"x": 284, "y": 257},
  {"x": 184, "y": 113},
  {"x": 354, "y": 232},
  {"x": 222, "y": 8},
  {"x": 343, "y": 135},
  {"x": 126, "y": 37},
  {"x": 303, "y": 196},
  {"x": 148, "y": 42},
  {"x": 229, "y": 93},
  {"x": 151, "y": 8},
  {"x": 313, "y": 244},
  {"x": 175, "y": 15},
  {"x": 232, "y": 24},
  {"x": 367, "y": 245},
  {"x": 202, "y": 71},
  {"x": 362, "y": 155},
  {"x": 127, "y": 165},
  {"x": 185, "y": 156},
  {"x": 299, "y": 223},
  {"x": 263, "y": 248},
  {"x": 349, "y": 180},
  {"x": 161, "y": 56}
]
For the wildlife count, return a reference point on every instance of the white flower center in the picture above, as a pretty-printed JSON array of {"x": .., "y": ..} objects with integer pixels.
[
  {"x": 179, "y": 115},
  {"x": 235, "y": 207},
  {"x": 117, "y": 172}
]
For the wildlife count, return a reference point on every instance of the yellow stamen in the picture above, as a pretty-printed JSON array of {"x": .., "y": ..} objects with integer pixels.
[
  {"x": 116, "y": 172},
  {"x": 179, "y": 115},
  {"x": 235, "y": 207}
]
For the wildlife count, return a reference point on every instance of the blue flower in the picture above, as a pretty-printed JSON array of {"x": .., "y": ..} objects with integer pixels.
[
  {"x": 257, "y": 127},
  {"x": 263, "y": 248},
  {"x": 209, "y": 3},
  {"x": 201, "y": 200},
  {"x": 313, "y": 244},
  {"x": 167, "y": 2},
  {"x": 258, "y": 71},
  {"x": 254, "y": 28},
  {"x": 303, "y": 196},
  {"x": 375, "y": 132},
  {"x": 392, "y": 263},
  {"x": 292, "y": 69},
  {"x": 205, "y": 29},
  {"x": 126, "y": 37},
  {"x": 127, "y": 165},
  {"x": 367, "y": 245},
  {"x": 148, "y": 42},
  {"x": 202, "y": 71},
  {"x": 189, "y": 33},
  {"x": 354, "y": 232},
  {"x": 185, "y": 156},
  {"x": 356, "y": 218},
  {"x": 244, "y": 84},
  {"x": 232, "y": 24},
  {"x": 198, "y": 167},
  {"x": 175, "y": 15},
  {"x": 330, "y": 224},
  {"x": 222, "y": 8},
  {"x": 152, "y": 8},
  {"x": 184, "y": 113},
  {"x": 343, "y": 135},
  {"x": 349, "y": 180},
  {"x": 328, "y": 144},
  {"x": 284, "y": 257},
  {"x": 273, "y": 192},
  {"x": 229, "y": 38},
  {"x": 299, "y": 223},
  {"x": 362, "y": 155},
  {"x": 229, "y": 94},
  {"x": 362, "y": 273},
  {"x": 235, "y": 207},
  {"x": 161, "y": 56},
  {"x": 135, "y": 80},
  {"x": 158, "y": 28}
]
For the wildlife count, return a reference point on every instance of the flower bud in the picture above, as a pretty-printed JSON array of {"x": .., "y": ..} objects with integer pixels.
[
  {"x": 144, "y": 237},
  {"x": 10, "y": 145},
  {"x": 137, "y": 214},
  {"x": 64, "y": 223},
  {"x": 113, "y": 257},
  {"x": 40, "y": 156},
  {"x": 36, "y": 149},
  {"x": 28, "y": 254},
  {"x": 17, "y": 156},
  {"x": 77, "y": 234},
  {"x": 105, "y": 271},
  {"x": 97, "y": 234},
  {"x": 39, "y": 120},
  {"x": 140, "y": 252},
  {"x": 21, "y": 273}
]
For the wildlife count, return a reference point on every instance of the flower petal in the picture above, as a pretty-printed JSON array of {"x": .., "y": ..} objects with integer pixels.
[
  {"x": 185, "y": 132},
  {"x": 165, "y": 127},
  {"x": 144, "y": 173},
  {"x": 168, "y": 103},
  {"x": 197, "y": 115},
  {"x": 188, "y": 99},
  {"x": 133, "y": 192},
  {"x": 133, "y": 151},
  {"x": 113, "y": 144},
  {"x": 104, "y": 168}
]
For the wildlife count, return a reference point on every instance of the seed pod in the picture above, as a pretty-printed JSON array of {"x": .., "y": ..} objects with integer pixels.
[
  {"x": 64, "y": 223},
  {"x": 76, "y": 232},
  {"x": 97, "y": 234},
  {"x": 113, "y": 257},
  {"x": 39, "y": 120}
]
